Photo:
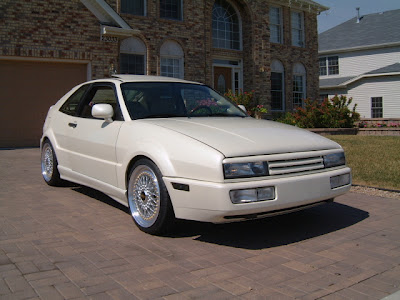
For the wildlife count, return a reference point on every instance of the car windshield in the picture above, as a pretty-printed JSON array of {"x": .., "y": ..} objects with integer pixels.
[{"x": 171, "y": 99}]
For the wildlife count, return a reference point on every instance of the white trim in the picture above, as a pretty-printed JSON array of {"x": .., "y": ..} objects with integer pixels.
[
  {"x": 118, "y": 32},
  {"x": 105, "y": 13},
  {"x": 359, "y": 48}
]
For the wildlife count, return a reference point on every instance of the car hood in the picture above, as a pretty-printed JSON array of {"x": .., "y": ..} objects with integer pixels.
[{"x": 236, "y": 136}]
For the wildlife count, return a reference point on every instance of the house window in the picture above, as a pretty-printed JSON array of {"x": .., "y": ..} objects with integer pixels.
[
  {"x": 225, "y": 26},
  {"x": 134, "y": 7},
  {"x": 171, "y": 9},
  {"x": 275, "y": 25},
  {"x": 297, "y": 29},
  {"x": 277, "y": 85},
  {"x": 172, "y": 60},
  {"x": 132, "y": 56},
  {"x": 376, "y": 107},
  {"x": 299, "y": 85},
  {"x": 329, "y": 65}
]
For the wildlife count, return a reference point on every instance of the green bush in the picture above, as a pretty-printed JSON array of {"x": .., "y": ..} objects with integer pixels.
[
  {"x": 243, "y": 98},
  {"x": 331, "y": 113}
]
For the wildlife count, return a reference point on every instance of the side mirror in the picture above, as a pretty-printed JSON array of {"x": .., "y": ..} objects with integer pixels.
[
  {"x": 242, "y": 107},
  {"x": 103, "y": 111}
]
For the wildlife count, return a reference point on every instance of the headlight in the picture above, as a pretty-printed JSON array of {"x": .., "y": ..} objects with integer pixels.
[
  {"x": 334, "y": 160},
  {"x": 251, "y": 169}
]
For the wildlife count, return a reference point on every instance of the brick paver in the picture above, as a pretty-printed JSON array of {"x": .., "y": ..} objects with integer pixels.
[{"x": 74, "y": 243}]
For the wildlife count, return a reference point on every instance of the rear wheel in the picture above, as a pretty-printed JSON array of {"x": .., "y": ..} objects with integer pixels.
[
  {"x": 49, "y": 165},
  {"x": 149, "y": 202}
]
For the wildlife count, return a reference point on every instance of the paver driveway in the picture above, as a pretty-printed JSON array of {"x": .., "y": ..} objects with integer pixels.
[{"x": 73, "y": 242}]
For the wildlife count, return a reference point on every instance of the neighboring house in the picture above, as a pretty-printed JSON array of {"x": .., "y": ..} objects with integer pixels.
[
  {"x": 46, "y": 47},
  {"x": 361, "y": 59}
]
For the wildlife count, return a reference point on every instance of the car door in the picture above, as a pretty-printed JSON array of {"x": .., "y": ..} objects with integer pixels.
[{"x": 91, "y": 141}]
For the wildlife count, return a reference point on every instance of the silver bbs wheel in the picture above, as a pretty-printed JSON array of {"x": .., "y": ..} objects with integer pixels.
[
  {"x": 144, "y": 196},
  {"x": 47, "y": 162}
]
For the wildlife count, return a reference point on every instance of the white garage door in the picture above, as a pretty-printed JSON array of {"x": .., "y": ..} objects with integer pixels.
[{"x": 27, "y": 90}]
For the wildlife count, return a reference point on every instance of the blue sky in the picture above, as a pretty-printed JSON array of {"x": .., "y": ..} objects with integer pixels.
[{"x": 343, "y": 10}]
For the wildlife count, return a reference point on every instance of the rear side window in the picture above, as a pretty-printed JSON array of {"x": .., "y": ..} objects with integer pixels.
[{"x": 70, "y": 107}]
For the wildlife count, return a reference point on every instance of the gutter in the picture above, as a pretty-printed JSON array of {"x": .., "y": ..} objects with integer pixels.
[{"x": 359, "y": 48}]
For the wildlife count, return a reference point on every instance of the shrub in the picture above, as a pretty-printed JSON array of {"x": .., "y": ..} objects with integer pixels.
[
  {"x": 242, "y": 98},
  {"x": 333, "y": 113}
]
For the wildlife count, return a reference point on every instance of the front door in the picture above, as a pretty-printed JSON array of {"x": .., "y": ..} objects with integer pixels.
[
  {"x": 92, "y": 141},
  {"x": 222, "y": 79}
]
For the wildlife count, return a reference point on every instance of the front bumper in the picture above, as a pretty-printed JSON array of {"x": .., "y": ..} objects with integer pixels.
[{"x": 210, "y": 202}]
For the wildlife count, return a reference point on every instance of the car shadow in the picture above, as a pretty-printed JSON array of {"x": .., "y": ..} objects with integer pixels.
[
  {"x": 278, "y": 230},
  {"x": 259, "y": 234}
]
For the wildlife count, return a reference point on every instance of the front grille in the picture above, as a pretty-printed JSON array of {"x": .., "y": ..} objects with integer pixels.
[{"x": 288, "y": 166}]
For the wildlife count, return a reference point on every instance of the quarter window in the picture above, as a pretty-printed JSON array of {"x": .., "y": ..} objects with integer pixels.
[
  {"x": 275, "y": 20},
  {"x": 134, "y": 7},
  {"x": 377, "y": 107},
  {"x": 297, "y": 29},
  {"x": 225, "y": 26},
  {"x": 171, "y": 9}
]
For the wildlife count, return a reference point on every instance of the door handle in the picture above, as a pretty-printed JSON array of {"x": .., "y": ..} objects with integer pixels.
[{"x": 73, "y": 125}]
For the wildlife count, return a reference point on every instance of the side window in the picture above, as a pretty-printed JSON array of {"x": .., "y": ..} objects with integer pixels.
[
  {"x": 100, "y": 95},
  {"x": 70, "y": 107}
]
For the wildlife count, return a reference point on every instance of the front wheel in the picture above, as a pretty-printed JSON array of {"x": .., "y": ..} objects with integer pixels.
[
  {"x": 149, "y": 202},
  {"x": 49, "y": 165}
]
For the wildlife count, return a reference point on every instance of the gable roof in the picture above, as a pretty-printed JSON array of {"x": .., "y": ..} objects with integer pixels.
[{"x": 373, "y": 30}]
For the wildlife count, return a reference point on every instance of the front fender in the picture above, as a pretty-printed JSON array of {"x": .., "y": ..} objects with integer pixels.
[{"x": 175, "y": 154}]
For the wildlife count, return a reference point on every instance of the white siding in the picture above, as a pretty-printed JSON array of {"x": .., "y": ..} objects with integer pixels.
[
  {"x": 387, "y": 87},
  {"x": 360, "y": 62}
]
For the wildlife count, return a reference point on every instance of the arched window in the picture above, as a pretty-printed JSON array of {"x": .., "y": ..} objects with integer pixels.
[
  {"x": 277, "y": 86},
  {"x": 299, "y": 84},
  {"x": 132, "y": 56},
  {"x": 225, "y": 26},
  {"x": 172, "y": 60}
]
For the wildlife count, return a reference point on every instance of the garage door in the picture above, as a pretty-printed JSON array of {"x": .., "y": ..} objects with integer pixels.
[{"x": 27, "y": 90}]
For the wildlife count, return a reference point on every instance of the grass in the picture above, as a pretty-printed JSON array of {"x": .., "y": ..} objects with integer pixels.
[{"x": 374, "y": 160}]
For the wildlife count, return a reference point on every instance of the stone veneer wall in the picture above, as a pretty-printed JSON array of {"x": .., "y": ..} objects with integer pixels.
[{"x": 67, "y": 30}]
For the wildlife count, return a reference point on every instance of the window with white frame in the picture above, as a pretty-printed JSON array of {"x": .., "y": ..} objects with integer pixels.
[
  {"x": 225, "y": 26},
  {"x": 277, "y": 86},
  {"x": 171, "y": 9},
  {"x": 376, "y": 107},
  {"x": 172, "y": 56},
  {"x": 299, "y": 85},
  {"x": 133, "y": 56},
  {"x": 134, "y": 7},
  {"x": 329, "y": 65},
  {"x": 297, "y": 21},
  {"x": 275, "y": 25}
]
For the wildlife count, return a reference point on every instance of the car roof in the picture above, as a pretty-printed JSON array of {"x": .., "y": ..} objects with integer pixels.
[{"x": 148, "y": 78}]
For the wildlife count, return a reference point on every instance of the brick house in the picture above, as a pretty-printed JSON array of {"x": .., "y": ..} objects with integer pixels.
[{"x": 49, "y": 46}]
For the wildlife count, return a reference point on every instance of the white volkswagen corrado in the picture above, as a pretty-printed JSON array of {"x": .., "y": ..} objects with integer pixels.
[{"x": 169, "y": 148}]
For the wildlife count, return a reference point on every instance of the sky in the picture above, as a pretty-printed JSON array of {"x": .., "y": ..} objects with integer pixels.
[{"x": 343, "y": 10}]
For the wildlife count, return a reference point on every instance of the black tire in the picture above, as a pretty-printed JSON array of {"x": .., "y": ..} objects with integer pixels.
[
  {"x": 49, "y": 165},
  {"x": 149, "y": 202}
]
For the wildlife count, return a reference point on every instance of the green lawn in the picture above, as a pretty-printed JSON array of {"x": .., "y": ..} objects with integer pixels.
[{"x": 374, "y": 160}]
